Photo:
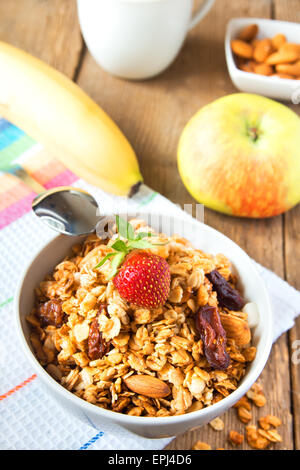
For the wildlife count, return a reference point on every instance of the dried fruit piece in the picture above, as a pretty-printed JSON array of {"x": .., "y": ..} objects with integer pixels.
[
  {"x": 97, "y": 346},
  {"x": 51, "y": 313},
  {"x": 148, "y": 386},
  {"x": 201, "y": 446},
  {"x": 248, "y": 32},
  {"x": 236, "y": 438},
  {"x": 213, "y": 335},
  {"x": 228, "y": 297},
  {"x": 236, "y": 328},
  {"x": 242, "y": 48}
]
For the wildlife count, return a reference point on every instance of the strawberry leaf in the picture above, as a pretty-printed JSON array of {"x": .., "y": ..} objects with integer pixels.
[
  {"x": 109, "y": 255},
  {"x": 124, "y": 228},
  {"x": 123, "y": 248},
  {"x": 139, "y": 244},
  {"x": 115, "y": 264},
  {"x": 119, "y": 245},
  {"x": 141, "y": 235}
]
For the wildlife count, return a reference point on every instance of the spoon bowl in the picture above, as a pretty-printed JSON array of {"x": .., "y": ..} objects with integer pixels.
[{"x": 68, "y": 210}]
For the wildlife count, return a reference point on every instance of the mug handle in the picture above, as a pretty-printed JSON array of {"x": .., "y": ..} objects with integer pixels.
[{"x": 203, "y": 10}]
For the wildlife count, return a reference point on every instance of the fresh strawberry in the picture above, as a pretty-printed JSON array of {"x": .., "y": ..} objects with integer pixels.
[{"x": 144, "y": 279}]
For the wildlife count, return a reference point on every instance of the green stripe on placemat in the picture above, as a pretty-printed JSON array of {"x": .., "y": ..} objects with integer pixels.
[
  {"x": 7, "y": 301},
  {"x": 148, "y": 200},
  {"x": 13, "y": 151}
]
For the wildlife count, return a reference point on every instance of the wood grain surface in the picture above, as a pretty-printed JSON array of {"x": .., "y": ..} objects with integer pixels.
[{"x": 152, "y": 114}]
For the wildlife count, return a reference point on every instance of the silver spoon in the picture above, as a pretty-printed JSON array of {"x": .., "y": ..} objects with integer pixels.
[{"x": 67, "y": 210}]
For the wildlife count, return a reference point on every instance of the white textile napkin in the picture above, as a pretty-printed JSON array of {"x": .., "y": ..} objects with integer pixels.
[{"x": 29, "y": 417}]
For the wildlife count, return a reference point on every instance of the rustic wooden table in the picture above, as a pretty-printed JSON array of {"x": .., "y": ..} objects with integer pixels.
[{"x": 152, "y": 114}]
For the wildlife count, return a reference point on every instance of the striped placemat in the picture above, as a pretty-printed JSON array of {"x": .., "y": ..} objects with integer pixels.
[{"x": 30, "y": 417}]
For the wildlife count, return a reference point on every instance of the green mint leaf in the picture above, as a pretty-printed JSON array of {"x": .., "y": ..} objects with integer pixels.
[
  {"x": 119, "y": 245},
  {"x": 115, "y": 264},
  {"x": 109, "y": 255},
  {"x": 140, "y": 244},
  {"x": 124, "y": 228}
]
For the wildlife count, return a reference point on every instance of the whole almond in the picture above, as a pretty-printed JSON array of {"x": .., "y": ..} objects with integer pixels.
[
  {"x": 242, "y": 48},
  {"x": 262, "y": 50},
  {"x": 287, "y": 53},
  {"x": 284, "y": 75},
  {"x": 248, "y": 66},
  {"x": 148, "y": 386},
  {"x": 249, "y": 32},
  {"x": 290, "y": 69},
  {"x": 263, "y": 69},
  {"x": 278, "y": 41},
  {"x": 236, "y": 329}
]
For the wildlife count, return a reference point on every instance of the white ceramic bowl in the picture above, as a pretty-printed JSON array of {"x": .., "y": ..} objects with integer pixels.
[
  {"x": 202, "y": 237},
  {"x": 272, "y": 87}
]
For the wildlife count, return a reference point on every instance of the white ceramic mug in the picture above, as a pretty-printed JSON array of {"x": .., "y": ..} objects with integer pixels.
[{"x": 137, "y": 39}]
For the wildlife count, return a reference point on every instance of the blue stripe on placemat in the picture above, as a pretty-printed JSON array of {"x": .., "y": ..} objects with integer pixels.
[
  {"x": 91, "y": 441},
  {"x": 8, "y": 133},
  {"x": 4, "y": 124}
]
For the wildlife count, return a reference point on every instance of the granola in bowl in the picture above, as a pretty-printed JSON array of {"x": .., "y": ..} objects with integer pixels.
[{"x": 182, "y": 345}]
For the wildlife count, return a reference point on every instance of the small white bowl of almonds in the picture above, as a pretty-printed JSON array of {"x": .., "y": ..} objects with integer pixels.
[{"x": 263, "y": 57}]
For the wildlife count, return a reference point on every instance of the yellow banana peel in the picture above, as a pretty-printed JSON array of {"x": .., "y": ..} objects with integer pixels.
[{"x": 56, "y": 112}]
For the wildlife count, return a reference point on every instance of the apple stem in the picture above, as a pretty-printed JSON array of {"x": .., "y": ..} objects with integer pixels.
[{"x": 253, "y": 133}]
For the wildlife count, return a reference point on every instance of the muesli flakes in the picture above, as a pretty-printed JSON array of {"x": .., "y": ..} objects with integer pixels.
[{"x": 91, "y": 340}]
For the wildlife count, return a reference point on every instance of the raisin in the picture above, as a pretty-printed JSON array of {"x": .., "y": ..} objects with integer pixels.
[
  {"x": 51, "y": 313},
  {"x": 212, "y": 333},
  {"x": 97, "y": 346},
  {"x": 228, "y": 297}
]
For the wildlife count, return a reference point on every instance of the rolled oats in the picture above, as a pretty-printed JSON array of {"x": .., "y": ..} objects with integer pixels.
[
  {"x": 256, "y": 394},
  {"x": 201, "y": 446},
  {"x": 267, "y": 421},
  {"x": 254, "y": 439},
  {"x": 162, "y": 343},
  {"x": 236, "y": 438},
  {"x": 217, "y": 424}
]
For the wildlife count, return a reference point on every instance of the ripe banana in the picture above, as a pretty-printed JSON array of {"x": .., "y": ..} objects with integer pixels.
[{"x": 57, "y": 113}]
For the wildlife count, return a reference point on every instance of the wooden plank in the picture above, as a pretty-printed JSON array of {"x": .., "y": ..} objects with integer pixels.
[
  {"x": 48, "y": 30},
  {"x": 152, "y": 114},
  {"x": 289, "y": 10}
]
